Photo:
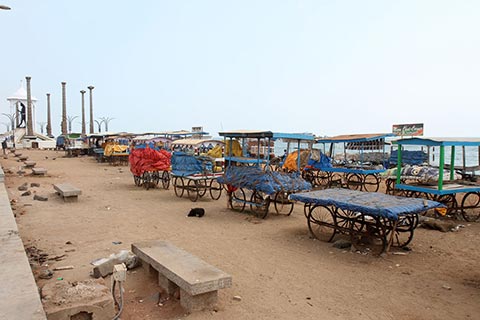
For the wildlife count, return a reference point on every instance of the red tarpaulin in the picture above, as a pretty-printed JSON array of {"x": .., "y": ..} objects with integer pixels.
[{"x": 148, "y": 159}]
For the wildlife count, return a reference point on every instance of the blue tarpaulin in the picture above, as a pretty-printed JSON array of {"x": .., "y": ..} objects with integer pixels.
[
  {"x": 371, "y": 203},
  {"x": 184, "y": 164},
  {"x": 269, "y": 182}
]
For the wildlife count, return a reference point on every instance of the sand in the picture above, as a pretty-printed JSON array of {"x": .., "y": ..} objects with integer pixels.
[{"x": 278, "y": 270}]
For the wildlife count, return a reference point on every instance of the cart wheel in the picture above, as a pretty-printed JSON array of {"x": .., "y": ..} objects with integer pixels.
[
  {"x": 448, "y": 200},
  {"x": 259, "y": 204},
  {"x": 354, "y": 181},
  {"x": 282, "y": 204},
  {"x": 147, "y": 180},
  {"x": 165, "y": 179},
  {"x": 137, "y": 180},
  {"x": 390, "y": 186},
  {"x": 371, "y": 183},
  {"x": 335, "y": 180},
  {"x": 471, "y": 206},
  {"x": 202, "y": 187},
  {"x": 155, "y": 178},
  {"x": 308, "y": 176},
  {"x": 236, "y": 200},
  {"x": 322, "y": 178},
  {"x": 321, "y": 223},
  {"x": 178, "y": 186},
  {"x": 403, "y": 233},
  {"x": 345, "y": 219},
  {"x": 193, "y": 190},
  {"x": 372, "y": 237},
  {"x": 306, "y": 209},
  {"x": 215, "y": 189}
]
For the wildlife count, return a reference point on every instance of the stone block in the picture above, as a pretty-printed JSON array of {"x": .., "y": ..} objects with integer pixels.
[
  {"x": 90, "y": 299},
  {"x": 199, "y": 302},
  {"x": 39, "y": 171}
]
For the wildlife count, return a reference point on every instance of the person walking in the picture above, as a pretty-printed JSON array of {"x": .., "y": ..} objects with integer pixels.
[{"x": 4, "y": 146}]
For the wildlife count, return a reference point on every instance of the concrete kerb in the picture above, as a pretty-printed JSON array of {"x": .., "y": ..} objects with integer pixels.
[{"x": 19, "y": 298}]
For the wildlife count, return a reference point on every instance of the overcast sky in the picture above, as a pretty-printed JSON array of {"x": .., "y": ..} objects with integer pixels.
[{"x": 321, "y": 66}]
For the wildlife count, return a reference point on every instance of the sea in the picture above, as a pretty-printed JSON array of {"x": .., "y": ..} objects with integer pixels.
[{"x": 472, "y": 154}]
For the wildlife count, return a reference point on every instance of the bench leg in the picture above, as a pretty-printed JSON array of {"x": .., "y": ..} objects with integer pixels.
[
  {"x": 168, "y": 286},
  {"x": 70, "y": 199},
  {"x": 198, "y": 302}
]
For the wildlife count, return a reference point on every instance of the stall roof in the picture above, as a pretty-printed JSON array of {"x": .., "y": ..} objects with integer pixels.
[
  {"x": 294, "y": 136},
  {"x": 354, "y": 138},
  {"x": 195, "y": 142},
  {"x": 246, "y": 134},
  {"x": 439, "y": 141},
  {"x": 111, "y": 134}
]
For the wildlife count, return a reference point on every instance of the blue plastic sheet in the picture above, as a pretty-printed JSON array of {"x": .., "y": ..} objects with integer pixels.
[
  {"x": 184, "y": 164},
  {"x": 371, "y": 203},
  {"x": 269, "y": 182}
]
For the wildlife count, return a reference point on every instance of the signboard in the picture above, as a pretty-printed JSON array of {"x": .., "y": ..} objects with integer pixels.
[{"x": 415, "y": 129}]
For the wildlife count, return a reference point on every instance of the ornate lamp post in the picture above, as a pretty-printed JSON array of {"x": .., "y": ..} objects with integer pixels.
[
  {"x": 99, "y": 123},
  {"x": 106, "y": 120},
  {"x": 70, "y": 120}
]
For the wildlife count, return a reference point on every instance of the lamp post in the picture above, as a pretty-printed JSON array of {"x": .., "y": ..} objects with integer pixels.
[
  {"x": 106, "y": 120},
  {"x": 42, "y": 125},
  {"x": 99, "y": 123},
  {"x": 70, "y": 120},
  {"x": 90, "y": 88}
]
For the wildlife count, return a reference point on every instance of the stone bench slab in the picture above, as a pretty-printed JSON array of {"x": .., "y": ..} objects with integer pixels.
[
  {"x": 30, "y": 164},
  {"x": 67, "y": 190},
  {"x": 39, "y": 171},
  {"x": 189, "y": 272}
]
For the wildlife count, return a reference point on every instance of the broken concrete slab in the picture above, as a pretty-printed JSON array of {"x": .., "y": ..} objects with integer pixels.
[
  {"x": 104, "y": 266},
  {"x": 71, "y": 300},
  {"x": 39, "y": 171},
  {"x": 40, "y": 198},
  {"x": 23, "y": 187}
]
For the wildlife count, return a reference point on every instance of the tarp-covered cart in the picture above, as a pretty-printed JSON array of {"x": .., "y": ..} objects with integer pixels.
[
  {"x": 250, "y": 181},
  {"x": 149, "y": 166},
  {"x": 364, "y": 158},
  {"x": 195, "y": 170},
  {"x": 449, "y": 183},
  {"x": 374, "y": 221}
]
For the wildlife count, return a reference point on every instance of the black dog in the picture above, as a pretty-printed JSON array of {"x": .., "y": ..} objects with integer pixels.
[{"x": 196, "y": 212}]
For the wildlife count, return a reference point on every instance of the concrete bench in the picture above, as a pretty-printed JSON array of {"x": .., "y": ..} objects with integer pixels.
[
  {"x": 68, "y": 192},
  {"x": 29, "y": 164},
  {"x": 198, "y": 281},
  {"x": 39, "y": 171},
  {"x": 22, "y": 158}
]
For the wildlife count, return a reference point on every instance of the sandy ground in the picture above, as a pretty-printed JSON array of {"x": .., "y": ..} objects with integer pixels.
[{"x": 278, "y": 270}]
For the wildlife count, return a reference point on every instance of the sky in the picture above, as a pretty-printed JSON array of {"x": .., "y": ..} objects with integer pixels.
[{"x": 321, "y": 66}]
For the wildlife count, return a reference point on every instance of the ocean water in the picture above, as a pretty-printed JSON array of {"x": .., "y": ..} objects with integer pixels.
[{"x": 471, "y": 153}]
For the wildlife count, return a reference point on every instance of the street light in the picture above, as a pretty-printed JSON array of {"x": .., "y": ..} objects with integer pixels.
[
  {"x": 70, "y": 120},
  {"x": 99, "y": 123},
  {"x": 42, "y": 125},
  {"x": 106, "y": 120}
]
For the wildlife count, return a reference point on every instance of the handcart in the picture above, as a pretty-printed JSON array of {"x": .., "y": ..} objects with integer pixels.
[
  {"x": 149, "y": 166},
  {"x": 193, "y": 172},
  {"x": 249, "y": 178},
  {"x": 358, "y": 168},
  {"x": 451, "y": 184},
  {"x": 373, "y": 221}
]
